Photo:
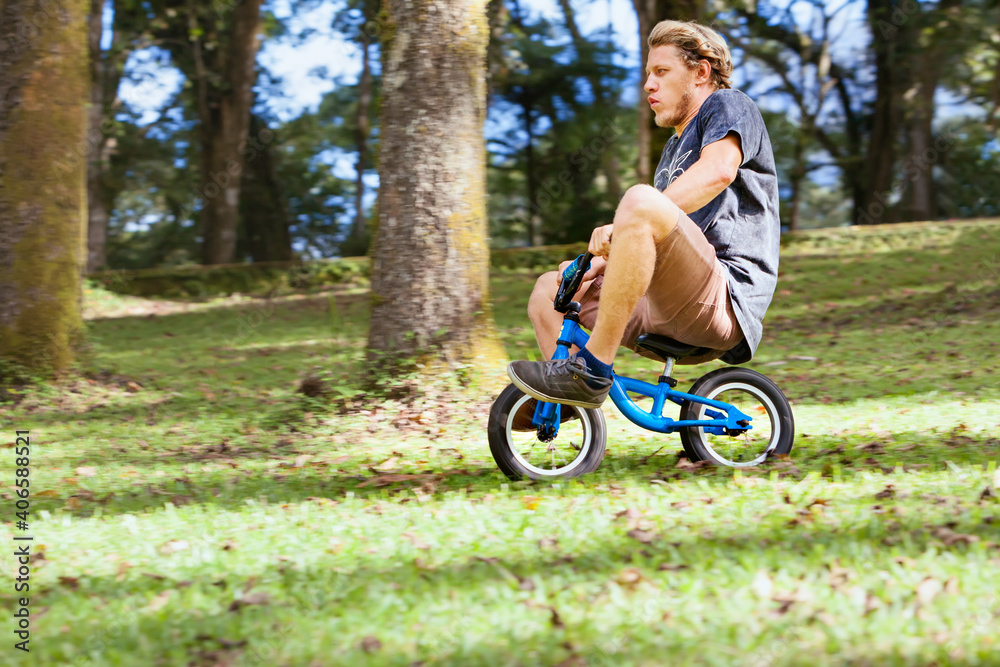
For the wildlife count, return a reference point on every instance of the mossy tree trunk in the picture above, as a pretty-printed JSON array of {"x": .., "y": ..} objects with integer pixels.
[
  {"x": 430, "y": 271},
  {"x": 44, "y": 89}
]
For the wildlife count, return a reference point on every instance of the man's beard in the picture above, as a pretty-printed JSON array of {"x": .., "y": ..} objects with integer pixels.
[{"x": 683, "y": 109}]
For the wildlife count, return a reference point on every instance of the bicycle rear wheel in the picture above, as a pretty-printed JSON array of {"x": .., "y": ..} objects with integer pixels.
[{"x": 772, "y": 429}]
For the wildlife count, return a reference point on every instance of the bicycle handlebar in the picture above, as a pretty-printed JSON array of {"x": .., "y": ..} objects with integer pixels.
[{"x": 572, "y": 277}]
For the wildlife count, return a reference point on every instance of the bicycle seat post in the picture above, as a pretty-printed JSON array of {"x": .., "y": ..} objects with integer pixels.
[{"x": 668, "y": 368}]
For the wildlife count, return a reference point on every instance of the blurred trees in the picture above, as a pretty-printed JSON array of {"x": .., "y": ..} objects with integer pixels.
[
  {"x": 871, "y": 104},
  {"x": 44, "y": 88}
]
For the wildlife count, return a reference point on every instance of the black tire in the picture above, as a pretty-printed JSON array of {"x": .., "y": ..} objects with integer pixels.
[
  {"x": 772, "y": 413},
  {"x": 505, "y": 445}
]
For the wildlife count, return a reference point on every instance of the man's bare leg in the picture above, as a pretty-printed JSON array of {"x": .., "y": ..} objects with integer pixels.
[
  {"x": 644, "y": 217},
  {"x": 545, "y": 319}
]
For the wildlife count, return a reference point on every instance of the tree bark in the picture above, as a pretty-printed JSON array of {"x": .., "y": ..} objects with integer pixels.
[
  {"x": 880, "y": 158},
  {"x": 359, "y": 229},
  {"x": 224, "y": 115},
  {"x": 264, "y": 215},
  {"x": 43, "y": 117},
  {"x": 649, "y": 13},
  {"x": 430, "y": 272},
  {"x": 97, "y": 218}
]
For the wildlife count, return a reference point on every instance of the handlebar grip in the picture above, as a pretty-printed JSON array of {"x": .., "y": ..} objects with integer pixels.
[{"x": 572, "y": 278}]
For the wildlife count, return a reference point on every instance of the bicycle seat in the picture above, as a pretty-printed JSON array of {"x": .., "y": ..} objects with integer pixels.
[{"x": 664, "y": 346}]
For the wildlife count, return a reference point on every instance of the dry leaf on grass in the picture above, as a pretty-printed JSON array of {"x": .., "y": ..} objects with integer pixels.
[
  {"x": 71, "y": 583},
  {"x": 249, "y": 600},
  {"x": 370, "y": 644},
  {"x": 927, "y": 590},
  {"x": 160, "y": 601},
  {"x": 390, "y": 464},
  {"x": 173, "y": 546},
  {"x": 644, "y": 536}
]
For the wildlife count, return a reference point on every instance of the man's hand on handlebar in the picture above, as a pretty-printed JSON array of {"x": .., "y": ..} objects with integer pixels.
[
  {"x": 597, "y": 266},
  {"x": 600, "y": 241}
]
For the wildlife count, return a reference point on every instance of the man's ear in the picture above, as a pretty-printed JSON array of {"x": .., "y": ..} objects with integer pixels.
[{"x": 704, "y": 72}]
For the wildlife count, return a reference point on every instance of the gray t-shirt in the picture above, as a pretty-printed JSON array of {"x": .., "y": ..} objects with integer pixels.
[{"x": 742, "y": 221}]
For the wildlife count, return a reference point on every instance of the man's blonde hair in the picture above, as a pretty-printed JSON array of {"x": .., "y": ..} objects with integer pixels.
[{"x": 696, "y": 43}]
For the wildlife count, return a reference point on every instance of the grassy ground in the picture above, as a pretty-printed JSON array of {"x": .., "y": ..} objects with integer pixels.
[{"x": 189, "y": 507}]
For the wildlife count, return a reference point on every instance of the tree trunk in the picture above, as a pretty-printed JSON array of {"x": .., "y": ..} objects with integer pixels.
[
  {"x": 534, "y": 220},
  {"x": 880, "y": 157},
  {"x": 97, "y": 218},
  {"x": 43, "y": 95},
  {"x": 918, "y": 201},
  {"x": 264, "y": 215},
  {"x": 649, "y": 13},
  {"x": 430, "y": 274},
  {"x": 359, "y": 232},
  {"x": 224, "y": 114}
]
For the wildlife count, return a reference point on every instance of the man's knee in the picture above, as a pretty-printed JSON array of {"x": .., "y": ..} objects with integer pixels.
[
  {"x": 645, "y": 207},
  {"x": 543, "y": 294}
]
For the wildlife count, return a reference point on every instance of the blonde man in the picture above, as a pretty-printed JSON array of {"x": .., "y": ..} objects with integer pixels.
[{"x": 695, "y": 255}]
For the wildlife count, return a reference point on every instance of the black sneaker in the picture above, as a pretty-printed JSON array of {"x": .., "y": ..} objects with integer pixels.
[{"x": 565, "y": 381}]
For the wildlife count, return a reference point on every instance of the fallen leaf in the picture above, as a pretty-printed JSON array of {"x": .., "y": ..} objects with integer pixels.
[
  {"x": 370, "y": 644},
  {"x": 86, "y": 471},
  {"x": 71, "y": 583},
  {"x": 644, "y": 536},
  {"x": 548, "y": 543},
  {"x": 47, "y": 493},
  {"x": 630, "y": 576},
  {"x": 388, "y": 465},
  {"x": 531, "y": 502},
  {"x": 173, "y": 546},
  {"x": 887, "y": 492},
  {"x": 301, "y": 460},
  {"x": 927, "y": 590},
  {"x": 160, "y": 601},
  {"x": 249, "y": 600},
  {"x": 671, "y": 567}
]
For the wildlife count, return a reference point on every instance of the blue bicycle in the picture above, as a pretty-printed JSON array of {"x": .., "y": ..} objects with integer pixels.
[{"x": 731, "y": 416}]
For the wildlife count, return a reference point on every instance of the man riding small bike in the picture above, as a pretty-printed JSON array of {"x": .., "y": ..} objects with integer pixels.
[{"x": 694, "y": 258}]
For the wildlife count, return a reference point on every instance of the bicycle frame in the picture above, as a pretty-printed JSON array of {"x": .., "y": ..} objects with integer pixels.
[{"x": 547, "y": 414}]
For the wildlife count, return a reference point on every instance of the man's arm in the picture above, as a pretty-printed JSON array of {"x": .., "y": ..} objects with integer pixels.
[{"x": 714, "y": 171}]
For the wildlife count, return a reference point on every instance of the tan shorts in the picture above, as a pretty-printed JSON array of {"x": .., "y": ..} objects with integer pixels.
[{"x": 688, "y": 298}]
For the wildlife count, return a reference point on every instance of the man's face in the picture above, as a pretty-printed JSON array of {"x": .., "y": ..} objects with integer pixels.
[{"x": 670, "y": 84}]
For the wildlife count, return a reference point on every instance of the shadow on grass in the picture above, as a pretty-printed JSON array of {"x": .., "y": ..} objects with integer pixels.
[{"x": 235, "y": 476}]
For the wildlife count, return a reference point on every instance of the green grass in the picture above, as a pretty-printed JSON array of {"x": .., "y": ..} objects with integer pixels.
[{"x": 193, "y": 509}]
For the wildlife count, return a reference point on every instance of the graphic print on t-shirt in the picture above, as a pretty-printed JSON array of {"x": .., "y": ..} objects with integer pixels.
[{"x": 673, "y": 171}]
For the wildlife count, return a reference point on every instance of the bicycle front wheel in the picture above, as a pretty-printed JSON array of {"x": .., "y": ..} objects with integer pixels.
[{"x": 578, "y": 447}]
